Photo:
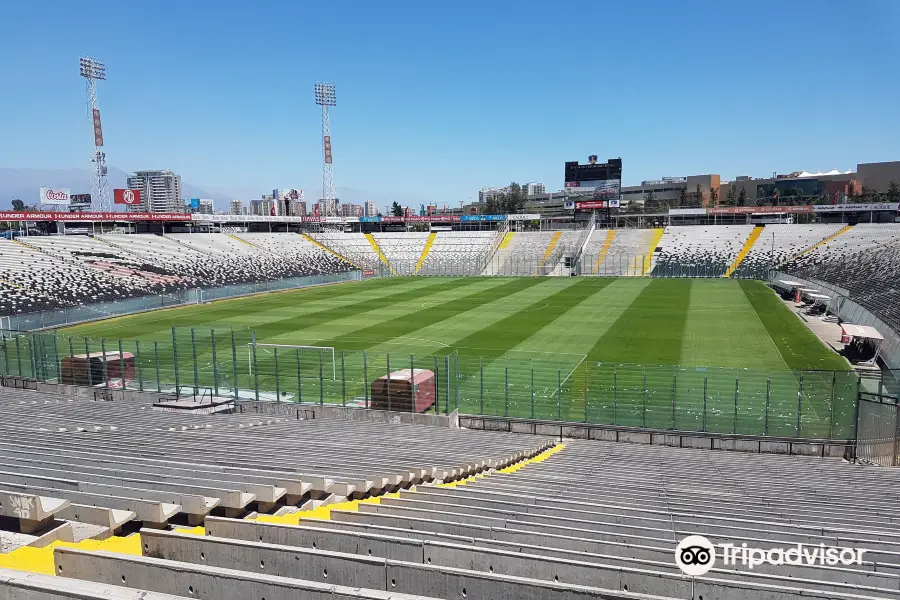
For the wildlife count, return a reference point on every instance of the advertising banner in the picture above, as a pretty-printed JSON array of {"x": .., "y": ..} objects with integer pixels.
[
  {"x": 91, "y": 216},
  {"x": 591, "y": 205},
  {"x": 368, "y": 273},
  {"x": 891, "y": 206},
  {"x": 55, "y": 195},
  {"x": 327, "y": 143},
  {"x": 758, "y": 210},
  {"x": 129, "y": 197}
]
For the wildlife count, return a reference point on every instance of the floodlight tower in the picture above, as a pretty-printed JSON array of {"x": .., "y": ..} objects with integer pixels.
[
  {"x": 325, "y": 97},
  {"x": 93, "y": 71}
]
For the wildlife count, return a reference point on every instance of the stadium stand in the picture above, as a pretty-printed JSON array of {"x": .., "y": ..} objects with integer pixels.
[
  {"x": 779, "y": 244},
  {"x": 699, "y": 250},
  {"x": 353, "y": 246},
  {"x": 46, "y": 272},
  {"x": 865, "y": 261},
  {"x": 531, "y": 252},
  {"x": 457, "y": 253},
  {"x": 628, "y": 254},
  {"x": 33, "y": 279},
  {"x": 586, "y": 520},
  {"x": 402, "y": 250}
]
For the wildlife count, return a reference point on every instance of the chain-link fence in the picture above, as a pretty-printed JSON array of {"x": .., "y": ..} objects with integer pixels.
[{"x": 202, "y": 362}]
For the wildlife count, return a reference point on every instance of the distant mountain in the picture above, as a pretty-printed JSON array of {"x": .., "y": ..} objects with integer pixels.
[{"x": 26, "y": 183}]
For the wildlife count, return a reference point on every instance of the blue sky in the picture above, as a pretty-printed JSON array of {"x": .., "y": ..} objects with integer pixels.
[{"x": 436, "y": 100}]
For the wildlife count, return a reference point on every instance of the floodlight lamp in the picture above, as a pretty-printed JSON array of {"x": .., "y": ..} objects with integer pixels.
[{"x": 325, "y": 95}]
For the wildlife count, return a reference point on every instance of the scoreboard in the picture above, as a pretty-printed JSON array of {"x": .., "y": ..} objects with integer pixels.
[{"x": 599, "y": 182}]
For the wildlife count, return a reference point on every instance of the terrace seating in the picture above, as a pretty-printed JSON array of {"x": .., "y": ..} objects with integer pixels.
[
  {"x": 591, "y": 520},
  {"x": 865, "y": 261},
  {"x": 402, "y": 250},
  {"x": 48, "y": 272},
  {"x": 628, "y": 254},
  {"x": 353, "y": 246},
  {"x": 699, "y": 251},
  {"x": 458, "y": 253},
  {"x": 781, "y": 243}
]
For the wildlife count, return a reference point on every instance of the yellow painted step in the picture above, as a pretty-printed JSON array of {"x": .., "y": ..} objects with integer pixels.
[
  {"x": 506, "y": 240},
  {"x": 236, "y": 238},
  {"x": 748, "y": 245},
  {"x": 330, "y": 251},
  {"x": 654, "y": 242},
  {"x": 553, "y": 242},
  {"x": 425, "y": 252},
  {"x": 378, "y": 251},
  {"x": 604, "y": 249},
  {"x": 825, "y": 241}
]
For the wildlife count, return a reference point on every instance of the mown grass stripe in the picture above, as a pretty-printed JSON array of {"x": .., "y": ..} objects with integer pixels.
[
  {"x": 357, "y": 309},
  {"x": 216, "y": 313},
  {"x": 650, "y": 330},
  {"x": 798, "y": 346},
  {"x": 413, "y": 321},
  {"x": 505, "y": 334}
]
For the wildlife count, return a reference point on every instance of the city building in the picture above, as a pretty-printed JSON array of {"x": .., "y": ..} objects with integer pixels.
[
  {"x": 207, "y": 207},
  {"x": 262, "y": 207},
  {"x": 297, "y": 208},
  {"x": 370, "y": 210},
  {"x": 351, "y": 210},
  {"x": 534, "y": 189},
  {"x": 160, "y": 191},
  {"x": 237, "y": 207},
  {"x": 490, "y": 193},
  {"x": 673, "y": 191}
]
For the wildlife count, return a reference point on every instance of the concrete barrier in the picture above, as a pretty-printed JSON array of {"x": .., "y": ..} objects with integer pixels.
[
  {"x": 20, "y": 585},
  {"x": 204, "y": 581},
  {"x": 32, "y": 511},
  {"x": 678, "y": 439}
]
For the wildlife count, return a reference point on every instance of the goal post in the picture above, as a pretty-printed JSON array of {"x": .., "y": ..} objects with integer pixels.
[{"x": 309, "y": 354}]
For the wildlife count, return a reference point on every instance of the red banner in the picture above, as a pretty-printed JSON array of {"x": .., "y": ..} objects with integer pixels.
[
  {"x": 368, "y": 273},
  {"x": 753, "y": 210},
  {"x": 327, "y": 142},
  {"x": 590, "y": 205},
  {"x": 129, "y": 197},
  {"x": 91, "y": 216},
  {"x": 98, "y": 129}
]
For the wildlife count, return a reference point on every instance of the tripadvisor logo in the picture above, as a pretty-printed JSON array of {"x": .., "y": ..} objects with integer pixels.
[{"x": 695, "y": 555}]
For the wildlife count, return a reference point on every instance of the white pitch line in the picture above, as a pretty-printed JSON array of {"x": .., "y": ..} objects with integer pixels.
[{"x": 573, "y": 370}]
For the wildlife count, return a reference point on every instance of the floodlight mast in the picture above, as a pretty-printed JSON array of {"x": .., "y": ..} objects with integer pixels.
[
  {"x": 94, "y": 70},
  {"x": 325, "y": 97}
]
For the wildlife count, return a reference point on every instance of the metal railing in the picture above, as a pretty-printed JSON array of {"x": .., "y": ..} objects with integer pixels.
[
  {"x": 878, "y": 430},
  {"x": 227, "y": 363}
]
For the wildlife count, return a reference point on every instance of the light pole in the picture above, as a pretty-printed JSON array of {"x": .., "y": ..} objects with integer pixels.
[
  {"x": 94, "y": 70},
  {"x": 325, "y": 97}
]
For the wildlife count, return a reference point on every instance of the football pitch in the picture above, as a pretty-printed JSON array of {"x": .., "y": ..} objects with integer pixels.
[{"x": 699, "y": 354}]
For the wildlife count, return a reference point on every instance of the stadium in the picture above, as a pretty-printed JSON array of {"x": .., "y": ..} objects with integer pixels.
[
  {"x": 683, "y": 389},
  {"x": 191, "y": 414}
]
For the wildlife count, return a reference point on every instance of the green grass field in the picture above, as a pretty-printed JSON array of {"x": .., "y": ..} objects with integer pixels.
[{"x": 719, "y": 355}]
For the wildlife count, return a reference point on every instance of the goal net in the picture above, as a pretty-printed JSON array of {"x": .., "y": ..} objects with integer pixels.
[{"x": 310, "y": 361}]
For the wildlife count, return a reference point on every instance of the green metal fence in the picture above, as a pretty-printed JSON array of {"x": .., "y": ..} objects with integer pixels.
[{"x": 223, "y": 362}]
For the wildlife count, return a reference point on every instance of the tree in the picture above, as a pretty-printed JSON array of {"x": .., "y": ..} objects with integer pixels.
[
  {"x": 649, "y": 200},
  {"x": 682, "y": 199},
  {"x": 851, "y": 191},
  {"x": 713, "y": 196},
  {"x": 513, "y": 201},
  {"x": 396, "y": 209},
  {"x": 18, "y": 205},
  {"x": 699, "y": 195},
  {"x": 742, "y": 198},
  {"x": 731, "y": 196},
  {"x": 633, "y": 207},
  {"x": 893, "y": 193},
  {"x": 868, "y": 194}
]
